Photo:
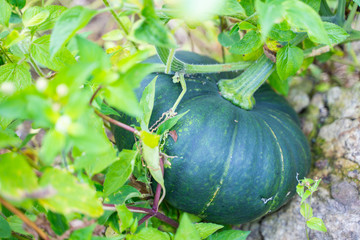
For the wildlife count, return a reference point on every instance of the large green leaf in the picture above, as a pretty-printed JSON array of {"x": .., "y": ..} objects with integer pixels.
[
  {"x": 57, "y": 222},
  {"x": 5, "y": 13},
  {"x": 17, "y": 75},
  {"x": 40, "y": 51},
  {"x": 67, "y": 25},
  {"x": 315, "y": 4},
  {"x": 5, "y": 230},
  {"x": 53, "y": 143},
  {"x": 34, "y": 16},
  {"x": 186, "y": 230},
  {"x": 228, "y": 39},
  {"x": 8, "y": 137},
  {"x": 70, "y": 195},
  {"x": 288, "y": 61},
  {"x": 280, "y": 86},
  {"x": 270, "y": 12},
  {"x": 55, "y": 12},
  {"x": 83, "y": 233},
  {"x": 17, "y": 179},
  {"x": 301, "y": 16},
  {"x": 119, "y": 171},
  {"x": 336, "y": 34},
  {"x": 248, "y": 44}
]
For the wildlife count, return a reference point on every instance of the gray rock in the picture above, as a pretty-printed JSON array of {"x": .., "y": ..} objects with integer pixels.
[
  {"x": 298, "y": 99},
  {"x": 344, "y": 103},
  {"x": 344, "y": 193},
  {"x": 342, "y": 139}
]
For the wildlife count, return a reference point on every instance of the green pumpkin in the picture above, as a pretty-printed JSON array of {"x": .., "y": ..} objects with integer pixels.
[{"x": 232, "y": 165}]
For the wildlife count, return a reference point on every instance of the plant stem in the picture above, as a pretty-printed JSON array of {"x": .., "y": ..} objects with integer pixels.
[
  {"x": 340, "y": 13},
  {"x": 94, "y": 95},
  {"x": 118, "y": 21},
  {"x": 183, "y": 87},
  {"x": 325, "y": 9},
  {"x": 148, "y": 211},
  {"x": 240, "y": 90},
  {"x": 36, "y": 67},
  {"x": 349, "y": 20},
  {"x": 346, "y": 62},
  {"x": 117, "y": 123},
  {"x": 169, "y": 61},
  {"x": 23, "y": 217},
  {"x": 5, "y": 54},
  {"x": 352, "y": 53}
]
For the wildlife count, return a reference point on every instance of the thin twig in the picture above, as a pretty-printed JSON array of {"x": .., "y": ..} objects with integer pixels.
[
  {"x": 23, "y": 217},
  {"x": 117, "y": 123},
  {"x": 94, "y": 95}
]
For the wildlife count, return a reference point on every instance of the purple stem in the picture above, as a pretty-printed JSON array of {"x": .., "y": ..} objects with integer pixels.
[
  {"x": 158, "y": 189},
  {"x": 141, "y": 221}
]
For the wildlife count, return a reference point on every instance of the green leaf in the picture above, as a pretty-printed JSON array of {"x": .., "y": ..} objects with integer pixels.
[
  {"x": 281, "y": 33},
  {"x": 67, "y": 25},
  {"x": 300, "y": 190},
  {"x": 168, "y": 124},
  {"x": 34, "y": 16},
  {"x": 17, "y": 179},
  {"x": 186, "y": 230},
  {"x": 17, "y": 224},
  {"x": 125, "y": 216},
  {"x": 120, "y": 95},
  {"x": 114, "y": 35},
  {"x": 269, "y": 12},
  {"x": 248, "y": 6},
  {"x": 206, "y": 229},
  {"x": 227, "y": 40},
  {"x": 40, "y": 51},
  {"x": 306, "y": 210},
  {"x": 58, "y": 222},
  {"x": 152, "y": 31},
  {"x": 305, "y": 196},
  {"x": 249, "y": 43},
  {"x": 8, "y": 138},
  {"x": 119, "y": 171},
  {"x": 147, "y": 104},
  {"x": 315, "y": 4},
  {"x": 280, "y": 86},
  {"x": 288, "y": 61},
  {"x": 91, "y": 52},
  {"x": 5, "y": 13},
  {"x": 230, "y": 235},
  {"x": 18, "y": 3},
  {"x": 149, "y": 139},
  {"x": 18, "y": 76},
  {"x": 316, "y": 224},
  {"x": 125, "y": 192},
  {"x": 230, "y": 7},
  {"x": 246, "y": 26},
  {"x": 55, "y": 12},
  {"x": 336, "y": 34},
  {"x": 304, "y": 18},
  {"x": 151, "y": 234},
  {"x": 5, "y": 230},
  {"x": 83, "y": 233},
  {"x": 70, "y": 196},
  {"x": 53, "y": 143}
]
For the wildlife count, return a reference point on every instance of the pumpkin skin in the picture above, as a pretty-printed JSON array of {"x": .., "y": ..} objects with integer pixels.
[{"x": 232, "y": 165}]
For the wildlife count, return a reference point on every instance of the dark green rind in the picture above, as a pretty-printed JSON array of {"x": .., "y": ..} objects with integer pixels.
[{"x": 229, "y": 161}]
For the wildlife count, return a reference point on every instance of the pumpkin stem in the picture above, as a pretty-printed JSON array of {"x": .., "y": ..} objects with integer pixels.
[
  {"x": 240, "y": 90},
  {"x": 180, "y": 79}
]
